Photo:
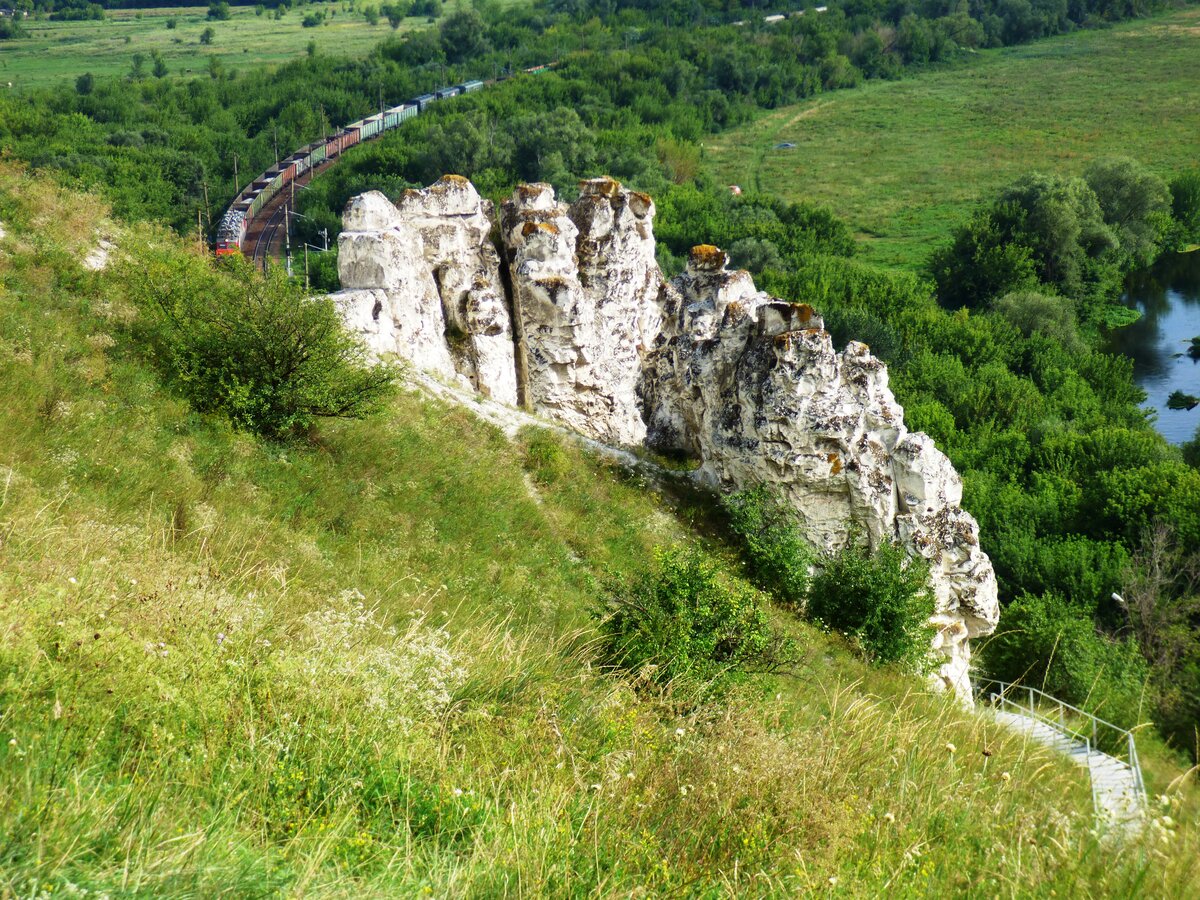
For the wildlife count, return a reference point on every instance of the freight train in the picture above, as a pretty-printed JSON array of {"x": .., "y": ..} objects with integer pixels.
[{"x": 236, "y": 221}]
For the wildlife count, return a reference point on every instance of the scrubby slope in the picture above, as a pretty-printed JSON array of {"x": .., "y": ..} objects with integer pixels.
[{"x": 361, "y": 666}]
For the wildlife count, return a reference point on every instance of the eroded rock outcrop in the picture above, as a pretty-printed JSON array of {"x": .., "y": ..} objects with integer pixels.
[
  {"x": 753, "y": 387},
  {"x": 421, "y": 278},
  {"x": 584, "y": 284},
  {"x": 578, "y": 315}
]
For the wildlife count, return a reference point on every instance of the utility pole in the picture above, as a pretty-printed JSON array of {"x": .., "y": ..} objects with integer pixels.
[
  {"x": 306, "y": 266},
  {"x": 275, "y": 132},
  {"x": 199, "y": 231},
  {"x": 287, "y": 238},
  {"x": 236, "y": 184},
  {"x": 207, "y": 208}
]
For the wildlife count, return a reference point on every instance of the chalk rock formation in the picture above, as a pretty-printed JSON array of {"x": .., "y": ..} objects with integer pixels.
[
  {"x": 753, "y": 387},
  {"x": 585, "y": 286},
  {"x": 422, "y": 279},
  {"x": 746, "y": 383},
  {"x": 97, "y": 258}
]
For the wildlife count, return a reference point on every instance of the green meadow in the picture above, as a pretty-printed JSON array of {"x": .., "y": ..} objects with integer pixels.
[
  {"x": 906, "y": 161},
  {"x": 56, "y": 51}
]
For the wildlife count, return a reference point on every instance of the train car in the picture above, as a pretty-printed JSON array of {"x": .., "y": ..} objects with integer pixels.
[
  {"x": 405, "y": 111},
  {"x": 298, "y": 163},
  {"x": 251, "y": 201},
  {"x": 371, "y": 126},
  {"x": 232, "y": 229}
]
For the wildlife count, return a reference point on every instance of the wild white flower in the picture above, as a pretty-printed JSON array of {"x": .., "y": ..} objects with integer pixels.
[
  {"x": 679, "y": 732},
  {"x": 833, "y": 880},
  {"x": 398, "y": 677},
  {"x": 950, "y": 748},
  {"x": 73, "y": 580},
  {"x": 1005, "y": 776},
  {"x": 889, "y": 817},
  {"x": 12, "y": 742},
  {"x": 458, "y": 792}
]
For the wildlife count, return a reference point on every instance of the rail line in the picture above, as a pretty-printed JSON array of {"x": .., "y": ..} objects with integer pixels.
[{"x": 252, "y": 224}]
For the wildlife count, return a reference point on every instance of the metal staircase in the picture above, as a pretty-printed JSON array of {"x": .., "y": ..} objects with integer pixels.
[{"x": 1107, "y": 751}]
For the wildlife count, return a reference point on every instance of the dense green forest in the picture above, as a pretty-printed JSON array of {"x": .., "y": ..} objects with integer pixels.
[{"x": 995, "y": 353}]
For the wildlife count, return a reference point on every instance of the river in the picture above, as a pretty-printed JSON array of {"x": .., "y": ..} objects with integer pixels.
[{"x": 1168, "y": 295}]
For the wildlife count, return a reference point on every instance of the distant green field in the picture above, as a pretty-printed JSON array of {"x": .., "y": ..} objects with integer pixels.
[
  {"x": 904, "y": 162},
  {"x": 56, "y": 51}
]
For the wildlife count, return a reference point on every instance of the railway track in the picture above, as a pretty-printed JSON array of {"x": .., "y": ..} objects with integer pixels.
[
  {"x": 266, "y": 238},
  {"x": 256, "y": 224}
]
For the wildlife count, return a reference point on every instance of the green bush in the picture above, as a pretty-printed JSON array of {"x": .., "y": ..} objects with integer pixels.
[
  {"x": 1185, "y": 203},
  {"x": 1034, "y": 313},
  {"x": 776, "y": 553},
  {"x": 1191, "y": 450},
  {"x": 1046, "y": 643},
  {"x": 686, "y": 625},
  {"x": 545, "y": 460},
  {"x": 254, "y": 347},
  {"x": 880, "y": 599}
]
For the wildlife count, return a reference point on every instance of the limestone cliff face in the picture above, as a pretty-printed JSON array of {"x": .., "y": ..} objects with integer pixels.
[
  {"x": 753, "y": 387},
  {"x": 583, "y": 281},
  {"x": 421, "y": 279},
  {"x": 577, "y": 320}
]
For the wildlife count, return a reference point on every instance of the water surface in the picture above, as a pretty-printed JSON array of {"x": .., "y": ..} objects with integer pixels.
[{"x": 1168, "y": 295}]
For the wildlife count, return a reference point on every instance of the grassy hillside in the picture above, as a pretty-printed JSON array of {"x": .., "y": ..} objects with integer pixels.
[
  {"x": 361, "y": 666},
  {"x": 60, "y": 51},
  {"x": 905, "y": 161}
]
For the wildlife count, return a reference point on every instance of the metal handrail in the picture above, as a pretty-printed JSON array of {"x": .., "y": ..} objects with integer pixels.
[{"x": 1061, "y": 726}]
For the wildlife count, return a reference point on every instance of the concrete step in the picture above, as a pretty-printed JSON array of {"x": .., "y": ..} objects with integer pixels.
[{"x": 1114, "y": 782}]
